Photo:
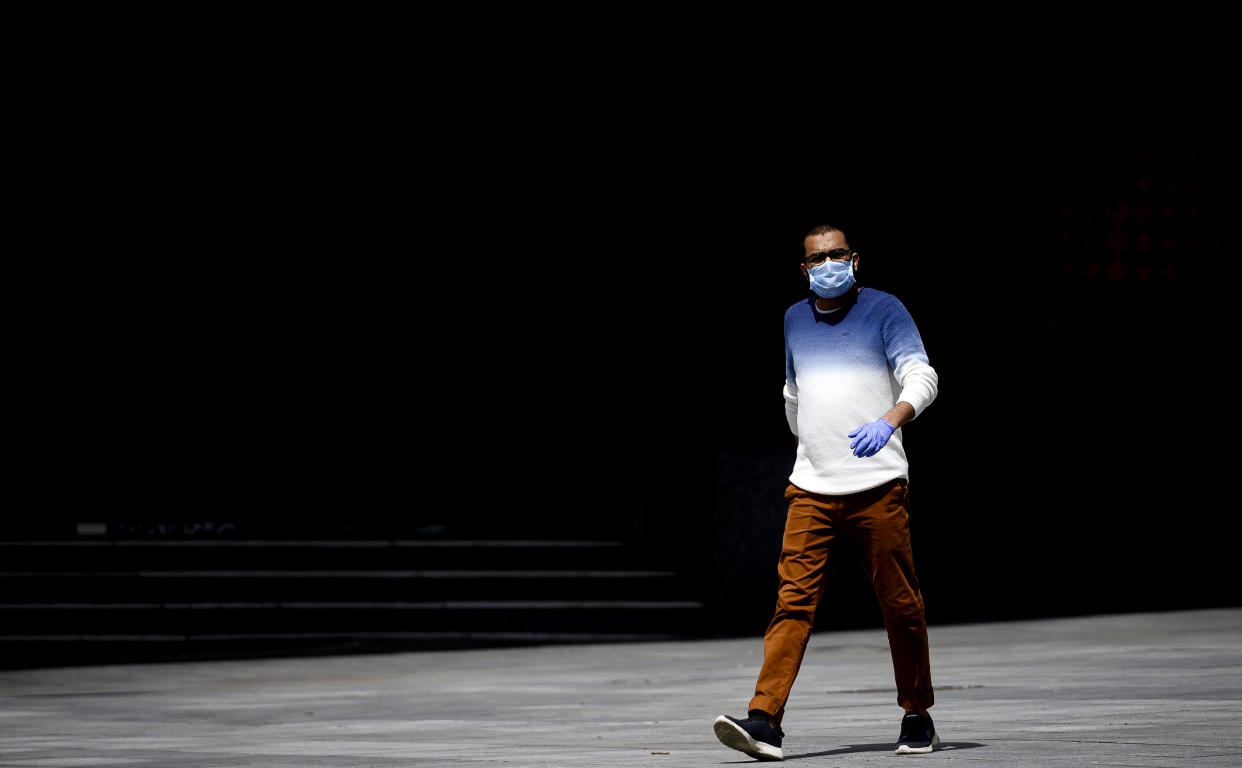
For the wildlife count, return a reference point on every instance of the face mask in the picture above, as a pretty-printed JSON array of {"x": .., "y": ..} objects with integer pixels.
[{"x": 832, "y": 278}]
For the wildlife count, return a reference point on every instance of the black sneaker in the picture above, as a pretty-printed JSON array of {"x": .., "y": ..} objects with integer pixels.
[
  {"x": 918, "y": 734},
  {"x": 755, "y": 736}
]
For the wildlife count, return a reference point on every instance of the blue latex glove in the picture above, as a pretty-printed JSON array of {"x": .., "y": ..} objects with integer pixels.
[{"x": 870, "y": 438}]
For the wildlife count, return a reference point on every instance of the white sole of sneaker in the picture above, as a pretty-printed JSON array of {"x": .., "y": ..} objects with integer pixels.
[
  {"x": 734, "y": 737},
  {"x": 907, "y": 750}
]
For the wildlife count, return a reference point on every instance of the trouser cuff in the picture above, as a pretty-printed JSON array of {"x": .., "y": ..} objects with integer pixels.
[
  {"x": 768, "y": 706},
  {"x": 911, "y": 701}
]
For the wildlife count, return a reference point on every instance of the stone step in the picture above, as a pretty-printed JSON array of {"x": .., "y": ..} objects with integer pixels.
[
  {"x": 340, "y": 585},
  {"x": 197, "y": 554},
  {"x": 282, "y": 616}
]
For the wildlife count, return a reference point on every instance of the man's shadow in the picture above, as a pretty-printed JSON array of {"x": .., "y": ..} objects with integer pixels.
[
  {"x": 945, "y": 746},
  {"x": 887, "y": 746}
]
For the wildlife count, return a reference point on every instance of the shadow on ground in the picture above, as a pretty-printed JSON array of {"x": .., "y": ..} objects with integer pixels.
[{"x": 887, "y": 746}]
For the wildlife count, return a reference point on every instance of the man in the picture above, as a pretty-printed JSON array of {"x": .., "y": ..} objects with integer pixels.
[{"x": 855, "y": 373}]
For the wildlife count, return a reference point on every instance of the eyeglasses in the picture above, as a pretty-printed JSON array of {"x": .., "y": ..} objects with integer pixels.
[{"x": 819, "y": 257}]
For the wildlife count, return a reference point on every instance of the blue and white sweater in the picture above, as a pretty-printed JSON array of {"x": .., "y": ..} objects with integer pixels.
[{"x": 845, "y": 368}]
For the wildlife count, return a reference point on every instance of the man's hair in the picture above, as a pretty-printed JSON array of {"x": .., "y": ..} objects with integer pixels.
[{"x": 824, "y": 229}]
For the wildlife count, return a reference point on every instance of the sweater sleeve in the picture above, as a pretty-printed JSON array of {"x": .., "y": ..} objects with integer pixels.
[
  {"x": 791, "y": 390},
  {"x": 791, "y": 406},
  {"x": 908, "y": 360}
]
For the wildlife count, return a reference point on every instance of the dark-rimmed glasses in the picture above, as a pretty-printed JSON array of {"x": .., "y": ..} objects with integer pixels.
[{"x": 819, "y": 257}]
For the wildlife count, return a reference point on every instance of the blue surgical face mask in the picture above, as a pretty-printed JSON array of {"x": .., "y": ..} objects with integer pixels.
[{"x": 832, "y": 278}]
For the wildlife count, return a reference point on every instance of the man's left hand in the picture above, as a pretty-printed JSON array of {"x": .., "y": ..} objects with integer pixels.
[{"x": 870, "y": 438}]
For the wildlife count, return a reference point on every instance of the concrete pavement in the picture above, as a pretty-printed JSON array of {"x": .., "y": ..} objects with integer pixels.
[{"x": 1161, "y": 689}]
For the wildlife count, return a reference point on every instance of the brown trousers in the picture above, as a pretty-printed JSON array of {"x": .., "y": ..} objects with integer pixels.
[{"x": 875, "y": 524}]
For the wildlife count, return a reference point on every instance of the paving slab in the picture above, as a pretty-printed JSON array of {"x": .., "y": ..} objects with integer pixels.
[{"x": 1159, "y": 689}]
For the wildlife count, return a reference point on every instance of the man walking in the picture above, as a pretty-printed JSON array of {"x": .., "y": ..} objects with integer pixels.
[{"x": 855, "y": 373}]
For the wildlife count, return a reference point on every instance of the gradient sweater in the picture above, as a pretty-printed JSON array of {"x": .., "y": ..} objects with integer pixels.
[{"x": 846, "y": 368}]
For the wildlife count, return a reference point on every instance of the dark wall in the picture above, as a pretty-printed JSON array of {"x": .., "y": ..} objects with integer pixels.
[{"x": 591, "y": 345}]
